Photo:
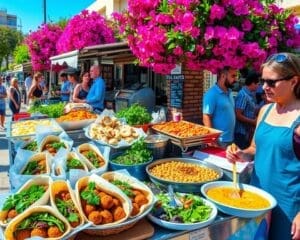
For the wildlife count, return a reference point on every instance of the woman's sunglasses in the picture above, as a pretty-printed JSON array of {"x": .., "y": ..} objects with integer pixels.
[
  {"x": 272, "y": 82},
  {"x": 278, "y": 57}
]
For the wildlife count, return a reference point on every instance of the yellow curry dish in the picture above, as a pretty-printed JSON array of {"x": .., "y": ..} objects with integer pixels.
[{"x": 247, "y": 199}]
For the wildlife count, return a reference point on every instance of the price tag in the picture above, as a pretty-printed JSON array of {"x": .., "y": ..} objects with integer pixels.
[{"x": 201, "y": 234}]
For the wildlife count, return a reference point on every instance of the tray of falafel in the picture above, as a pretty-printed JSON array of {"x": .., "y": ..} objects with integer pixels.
[{"x": 111, "y": 131}]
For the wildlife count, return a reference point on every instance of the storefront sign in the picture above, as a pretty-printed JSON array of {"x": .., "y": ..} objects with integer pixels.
[{"x": 176, "y": 90}]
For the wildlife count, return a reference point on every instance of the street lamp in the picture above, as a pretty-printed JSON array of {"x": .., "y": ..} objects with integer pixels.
[{"x": 44, "y": 10}]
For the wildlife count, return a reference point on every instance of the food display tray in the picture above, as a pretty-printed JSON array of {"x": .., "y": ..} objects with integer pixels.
[
  {"x": 185, "y": 142},
  {"x": 53, "y": 127}
]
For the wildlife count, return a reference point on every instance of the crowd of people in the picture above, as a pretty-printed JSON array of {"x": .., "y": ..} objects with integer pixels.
[
  {"x": 88, "y": 88},
  {"x": 266, "y": 133}
]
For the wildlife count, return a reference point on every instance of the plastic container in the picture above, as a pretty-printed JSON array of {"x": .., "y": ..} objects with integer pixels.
[
  {"x": 21, "y": 115},
  {"x": 157, "y": 143}
]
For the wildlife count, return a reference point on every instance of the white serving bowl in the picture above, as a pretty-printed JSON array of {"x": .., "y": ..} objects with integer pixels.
[
  {"x": 239, "y": 212},
  {"x": 186, "y": 226}
]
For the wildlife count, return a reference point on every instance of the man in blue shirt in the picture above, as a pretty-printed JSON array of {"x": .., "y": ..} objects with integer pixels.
[
  {"x": 65, "y": 88},
  {"x": 246, "y": 111},
  {"x": 218, "y": 106},
  {"x": 96, "y": 94}
]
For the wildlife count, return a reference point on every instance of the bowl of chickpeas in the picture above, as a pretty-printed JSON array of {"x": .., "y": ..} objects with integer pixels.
[{"x": 184, "y": 174}]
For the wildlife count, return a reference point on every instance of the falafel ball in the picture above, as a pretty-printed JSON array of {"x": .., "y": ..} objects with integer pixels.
[
  {"x": 39, "y": 232},
  {"x": 106, "y": 201},
  {"x": 12, "y": 213},
  {"x": 140, "y": 199},
  {"x": 23, "y": 234},
  {"x": 95, "y": 217},
  {"x": 88, "y": 209},
  {"x": 118, "y": 213},
  {"x": 107, "y": 217},
  {"x": 54, "y": 232}
]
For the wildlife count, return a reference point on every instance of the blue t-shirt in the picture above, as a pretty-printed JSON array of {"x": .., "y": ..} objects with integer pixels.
[
  {"x": 220, "y": 105},
  {"x": 96, "y": 94},
  {"x": 2, "y": 100},
  {"x": 245, "y": 100},
  {"x": 65, "y": 87}
]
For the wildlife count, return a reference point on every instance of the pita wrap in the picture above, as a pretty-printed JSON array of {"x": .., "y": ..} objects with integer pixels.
[
  {"x": 46, "y": 213},
  {"x": 134, "y": 185},
  {"x": 103, "y": 186},
  {"x": 61, "y": 186},
  {"x": 103, "y": 163},
  {"x": 53, "y": 139},
  {"x": 35, "y": 184},
  {"x": 39, "y": 163},
  {"x": 74, "y": 155}
]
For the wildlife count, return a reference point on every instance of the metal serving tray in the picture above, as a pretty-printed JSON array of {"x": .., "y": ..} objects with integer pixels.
[{"x": 185, "y": 142}]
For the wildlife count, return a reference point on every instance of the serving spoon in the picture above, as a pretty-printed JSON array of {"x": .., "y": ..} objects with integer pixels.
[
  {"x": 236, "y": 192},
  {"x": 174, "y": 201}
]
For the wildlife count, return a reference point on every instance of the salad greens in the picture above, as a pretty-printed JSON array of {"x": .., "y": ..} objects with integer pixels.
[
  {"x": 22, "y": 200},
  {"x": 58, "y": 145},
  {"x": 193, "y": 209},
  {"x": 45, "y": 217},
  {"x": 52, "y": 110},
  {"x": 67, "y": 208},
  {"x": 89, "y": 195},
  {"x": 136, "y": 154},
  {"x": 124, "y": 186},
  {"x": 135, "y": 115},
  {"x": 74, "y": 163},
  {"x": 33, "y": 168},
  {"x": 92, "y": 157},
  {"x": 32, "y": 146}
]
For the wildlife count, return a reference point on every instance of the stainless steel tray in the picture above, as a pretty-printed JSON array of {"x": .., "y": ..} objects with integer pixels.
[{"x": 183, "y": 186}]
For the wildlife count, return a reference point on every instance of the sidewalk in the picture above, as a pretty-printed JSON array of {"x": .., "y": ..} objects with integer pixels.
[{"x": 4, "y": 154}]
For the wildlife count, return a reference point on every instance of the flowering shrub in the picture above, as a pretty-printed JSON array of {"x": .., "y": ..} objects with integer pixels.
[
  {"x": 41, "y": 45},
  {"x": 205, "y": 34},
  {"x": 85, "y": 29}
]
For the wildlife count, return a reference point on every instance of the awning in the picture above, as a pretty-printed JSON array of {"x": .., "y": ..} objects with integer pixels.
[{"x": 69, "y": 58}]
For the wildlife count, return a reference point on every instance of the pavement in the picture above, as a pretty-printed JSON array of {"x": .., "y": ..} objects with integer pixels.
[{"x": 4, "y": 154}]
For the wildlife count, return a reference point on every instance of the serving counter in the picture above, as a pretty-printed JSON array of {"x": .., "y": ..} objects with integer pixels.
[{"x": 223, "y": 227}]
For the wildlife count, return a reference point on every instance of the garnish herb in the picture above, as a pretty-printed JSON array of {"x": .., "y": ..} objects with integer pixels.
[
  {"x": 58, "y": 145},
  {"x": 22, "y": 200},
  {"x": 31, "y": 221},
  {"x": 89, "y": 195},
  {"x": 93, "y": 158},
  {"x": 32, "y": 146},
  {"x": 67, "y": 208},
  {"x": 74, "y": 163},
  {"x": 125, "y": 187},
  {"x": 32, "y": 168}
]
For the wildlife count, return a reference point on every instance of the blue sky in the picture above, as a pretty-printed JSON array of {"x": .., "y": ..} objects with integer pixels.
[{"x": 30, "y": 12}]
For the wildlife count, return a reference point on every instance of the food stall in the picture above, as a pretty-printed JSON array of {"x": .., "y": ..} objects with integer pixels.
[{"x": 84, "y": 135}]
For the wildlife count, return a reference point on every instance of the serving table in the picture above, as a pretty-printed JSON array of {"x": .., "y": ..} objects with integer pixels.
[{"x": 223, "y": 227}]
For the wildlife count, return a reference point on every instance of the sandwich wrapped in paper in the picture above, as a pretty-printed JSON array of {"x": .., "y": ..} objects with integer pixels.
[
  {"x": 102, "y": 203},
  {"x": 63, "y": 200},
  {"x": 140, "y": 195},
  {"x": 52, "y": 144},
  {"x": 34, "y": 192},
  {"x": 39, "y": 221},
  {"x": 92, "y": 157},
  {"x": 37, "y": 164}
]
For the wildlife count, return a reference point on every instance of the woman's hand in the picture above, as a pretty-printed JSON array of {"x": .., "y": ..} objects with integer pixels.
[
  {"x": 295, "y": 231},
  {"x": 234, "y": 154}
]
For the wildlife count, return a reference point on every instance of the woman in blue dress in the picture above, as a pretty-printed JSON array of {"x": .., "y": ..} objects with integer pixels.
[
  {"x": 276, "y": 144},
  {"x": 81, "y": 90}
]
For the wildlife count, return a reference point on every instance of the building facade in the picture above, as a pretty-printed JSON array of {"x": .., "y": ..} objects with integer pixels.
[
  {"x": 107, "y": 7},
  {"x": 8, "y": 20}
]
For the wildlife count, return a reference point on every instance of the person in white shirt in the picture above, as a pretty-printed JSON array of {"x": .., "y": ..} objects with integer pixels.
[{"x": 28, "y": 82}]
